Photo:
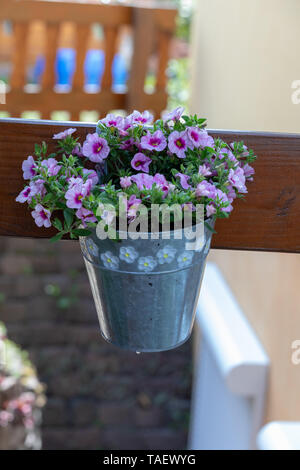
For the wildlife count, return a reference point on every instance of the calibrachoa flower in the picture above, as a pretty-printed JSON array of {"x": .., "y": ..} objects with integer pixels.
[
  {"x": 63, "y": 135},
  {"x": 85, "y": 216},
  {"x": 95, "y": 148},
  {"x": 166, "y": 254},
  {"x": 141, "y": 162},
  {"x": 146, "y": 264},
  {"x": 210, "y": 210},
  {"x": 133, "y": 206},
  {"x": 183, "y": 180},
  {"x": 185, "y": 259},
  {"x": 52, "y": 166},
  {"x": 143, "y": 181},
  {"x": 28, "y": 193},
  {"x": 204, "y": 170},
  {"x": 125, "y": 182},
  {"x": 29, "y": 168},
  {"x": 178, "y": 143},
  {"x": 174, "y": 115},
  {"x": 205, "y": 140},
  {"x": 112, "y": 121},
  {"x": 141, "y": 118},
  {"x": 206, "y": 189},
  {"x": 195, "y": 135},
  {"x": 109, "y": 260},
  {"x": 77, "y": 192},
  {"x": 155, "y": 141},
  {"x": 248, "y": 171},
  {"x": 128, "y": 254},
  {"x": 41, "y": 216},
  {"x": 91, "y": 175},
  {"x": 237, "y": 178}
]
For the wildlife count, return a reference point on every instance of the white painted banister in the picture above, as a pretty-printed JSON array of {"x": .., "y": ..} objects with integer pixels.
[
  {"x": 230, "y": 372},
  {"x": 279, "y": 435}
]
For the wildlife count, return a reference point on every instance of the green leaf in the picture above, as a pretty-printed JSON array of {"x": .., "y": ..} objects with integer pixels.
[
  {"x": 56, "y": 237},
  {"x": 68, "y": 215},
  {"x": 81, "y": 232},
  {"x": 57, "y": 224}
]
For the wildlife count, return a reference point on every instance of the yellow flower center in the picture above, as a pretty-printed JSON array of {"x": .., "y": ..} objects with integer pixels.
[
  {"x": 165, "y": 255},
  {"x": 146, "y": 264},
  {"x": 126, "y": 254},
  {"x": 185, "y": 258},
  {"x": 99, "y": 148},
  {"x": 108, "y": 260}
]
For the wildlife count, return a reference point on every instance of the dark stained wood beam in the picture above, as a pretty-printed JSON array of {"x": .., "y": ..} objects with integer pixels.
[{"x": 268, "y": 220}]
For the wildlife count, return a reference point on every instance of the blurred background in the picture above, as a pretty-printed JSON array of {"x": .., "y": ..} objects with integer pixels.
[{"x": 234, "y": 63}]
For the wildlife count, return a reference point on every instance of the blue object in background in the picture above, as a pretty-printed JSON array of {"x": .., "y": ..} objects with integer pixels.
[{"x": 93, "y": 67}]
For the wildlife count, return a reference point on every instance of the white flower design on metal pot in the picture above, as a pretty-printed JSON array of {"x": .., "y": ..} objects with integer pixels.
[
  {"x": 185, "y": 259},
  {"x": 109, "y": 260},
  {"x": 128, "y": 254},
  {"x": 146, "y": 263},
  {"x": 166, "y": 254},
  {"x": 92, "y": 247}
]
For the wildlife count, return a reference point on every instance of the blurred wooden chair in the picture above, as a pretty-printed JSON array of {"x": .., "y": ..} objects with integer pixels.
[{"x": 42, "y": 26}]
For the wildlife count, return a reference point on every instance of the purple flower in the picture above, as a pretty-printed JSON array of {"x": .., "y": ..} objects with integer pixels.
[
  {"x": 63, "y": 135},
  {"x": 29, "y": 168},
  {"x": 127, "y": 144},
  {"x": 141, "y": 118},
  {"x": 52, "y": 166},
  {"x": 205, "y": 140},
  {"x": 77, "y": 151},
  {"x": 178, "y": 143},
  {"x": 41, "y": 216},
  {"x": 162, "y": 183},
  {"x": 143, "y": 181},
  {"x": 229, "y": 154},
  {"x": 248, "y": 171},
  {"x": 155, "y": 141},
  {"x": 85, "y": 216},
  {"x": 210, "y": 210},
  {"x": 204, "y": 170},
  {"x": 237, "y": 178},
  {"x": 188, "y": 206},
  {"x": 195, "y": 136},
  {"x": 112, "y": 121},
  {"x": 91, "y": 175},
  {"x": 174, "y": 115},
  {"x": 141, "y": 162},
  {"x": 206, "y": 189},
  {"x": 27, "y": 193},
  {"x": 183, "y": 180},
  {"x": 132, "y": 207},
  {"x": 222, "y": 198},
  {"x": 125, "y": 182},
  {"x": 95, "y": 148},
  {"x": 77, "y": 191}
]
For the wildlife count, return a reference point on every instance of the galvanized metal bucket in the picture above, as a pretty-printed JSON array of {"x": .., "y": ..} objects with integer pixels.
[{"x": 146, "y": 290}]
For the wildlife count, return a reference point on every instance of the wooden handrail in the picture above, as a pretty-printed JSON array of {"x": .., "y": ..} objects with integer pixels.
[{"x": 268, "y": 220}]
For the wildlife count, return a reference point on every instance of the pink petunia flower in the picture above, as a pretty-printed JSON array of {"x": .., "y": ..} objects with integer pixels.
[
  {"x": 174, "y": 115},
  {"x": 183, "y": 180},
  {"x": 143, "y": 181},
  {"x": 178, "y": 143},
  {"x": 141, "y": 162},
  {"x": 125, "y": 182},
  {"x": 29, "y": 168},
  {"x": 205, "y": 140},
  {"x": 95, "y": 148},
  {"x": 52, "y": 166},
  {"x": 63, "y": 135},
  {"x": 41, "y": 216},
  {"x": 221, "y": 197},
  {"x": 85, "y": 216},
  {"x": 206, "y": 189},
  {"x": 77, "y": 191},
  {"x": 195, "y": 136},
  {"x": 204, "y": 170},
  {"x": 210, "y": 210},
  {"x": 141, "y": 118},
  {"x": 237, "y": 178},
  {"x": 155, "y": 141},
  {"x": 111, "y": 120},
  {"x": 92, "y": 175},
  {"x": 248, "y": 171}
]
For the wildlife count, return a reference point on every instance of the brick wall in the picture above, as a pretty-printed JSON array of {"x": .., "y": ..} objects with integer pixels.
[{"x": 99, "y": 397}]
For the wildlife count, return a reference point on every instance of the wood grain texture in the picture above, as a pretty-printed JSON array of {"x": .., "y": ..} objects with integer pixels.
[
  {"x": 268, "y": 219},
  {"x": 18, "y": 77},
  {"x": 49, "y": 76}
]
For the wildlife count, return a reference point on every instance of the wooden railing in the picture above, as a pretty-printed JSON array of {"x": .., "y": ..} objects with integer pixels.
[
  {"x": 268, "y": 219},
  {"x": 146, "y": 23}
]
